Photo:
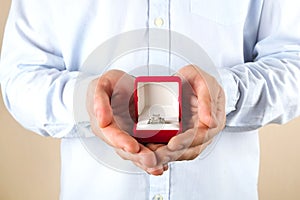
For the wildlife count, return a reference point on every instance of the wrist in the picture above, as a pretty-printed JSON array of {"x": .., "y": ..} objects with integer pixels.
[{"x": 230, "y": 88}]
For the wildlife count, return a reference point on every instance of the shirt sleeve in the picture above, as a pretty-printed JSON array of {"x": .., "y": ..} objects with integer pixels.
[
  {"x": 36, "y": 85},
  {"x": 267, "y": 90}
]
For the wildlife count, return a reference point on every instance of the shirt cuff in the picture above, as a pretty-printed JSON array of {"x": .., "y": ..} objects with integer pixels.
[{"x": 230, "y": 88}]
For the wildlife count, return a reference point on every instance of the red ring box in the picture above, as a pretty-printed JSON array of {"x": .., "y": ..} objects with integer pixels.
[{"x": 157, "y": 102}]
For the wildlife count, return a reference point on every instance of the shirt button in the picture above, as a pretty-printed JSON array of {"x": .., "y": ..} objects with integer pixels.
[
  {"x": 158, "y": 197},
  {"x": 158, "y": 21}
]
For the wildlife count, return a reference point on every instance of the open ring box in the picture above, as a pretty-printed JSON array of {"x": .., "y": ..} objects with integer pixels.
[{"x": 157, "y": 102}]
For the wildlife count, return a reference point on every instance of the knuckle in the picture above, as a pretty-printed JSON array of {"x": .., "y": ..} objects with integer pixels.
[
  {"x": 103, "y": 82},
  {"x": 201, "y": 137}
]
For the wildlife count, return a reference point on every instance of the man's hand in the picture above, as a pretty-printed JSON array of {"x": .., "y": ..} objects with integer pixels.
[
  {"x": 110, "y": 107},
  {"x": 203, "y": 117},
  {"x": 109, "y": 104}
]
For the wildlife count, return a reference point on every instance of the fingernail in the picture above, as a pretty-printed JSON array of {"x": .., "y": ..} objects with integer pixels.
[
  {"x": 166, "y": 167},
  {"x": 156, "y": 171}
]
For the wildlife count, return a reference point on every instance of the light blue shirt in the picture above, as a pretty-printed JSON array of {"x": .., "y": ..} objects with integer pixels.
[{"x": 254, "y": 44}]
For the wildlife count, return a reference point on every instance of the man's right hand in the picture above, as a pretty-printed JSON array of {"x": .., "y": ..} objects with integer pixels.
[{"x": 108, "y": 105}]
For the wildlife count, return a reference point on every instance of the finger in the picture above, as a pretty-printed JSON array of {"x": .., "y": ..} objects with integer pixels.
[
  {"x": 190, "y": 138},
  {"x": 217, "y": 107},
  {"x": 165, "y": 167},
  {"x": 221, "y": 114},
  {"x": 206, "y": 115},
  {"x": 205, "y": 105},
  {"x": 122, "y": 103},
  {"x": 145, "y": 158},
  {"x": 164, "y": 155},
  {"x": 102, "y": 108},
  {"x": 110, "y": 132},
  {"x": 198, "y": 80},
  {"x": 102, "y": 96},
  {"x": 193, "y": 152},
  {"x": 154, "y": 147},
  {"x": 157, "y": 171},
  {"x": 119, "y": 139}
]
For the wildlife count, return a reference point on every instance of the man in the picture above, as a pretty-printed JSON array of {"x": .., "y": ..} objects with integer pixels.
[{"x": 254, "y": 45}]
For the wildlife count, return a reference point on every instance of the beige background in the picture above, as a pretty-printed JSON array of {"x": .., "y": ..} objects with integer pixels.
[{"x": 29, "y": 164}]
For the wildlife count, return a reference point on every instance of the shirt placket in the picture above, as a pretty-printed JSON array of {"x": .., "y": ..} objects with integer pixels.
[
  {"x": 160, "y": 186},
  {"x": 159, "y": 25},
  {"x": 159, "y": 20}
]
